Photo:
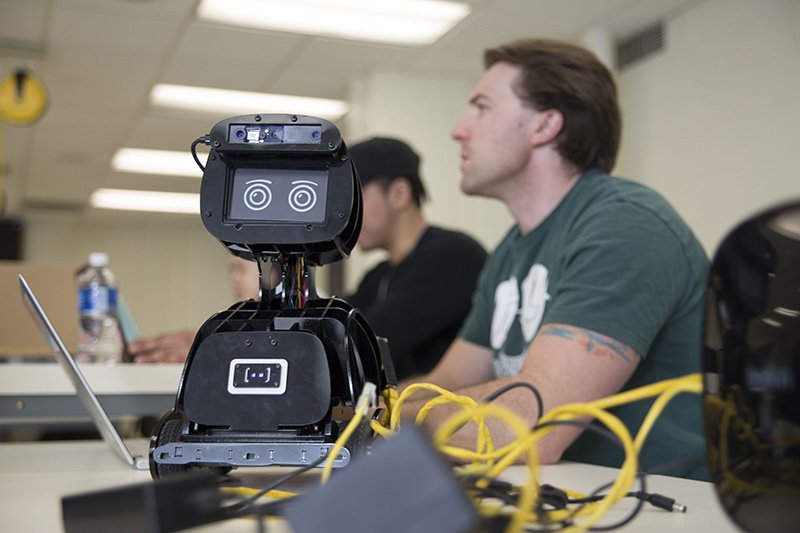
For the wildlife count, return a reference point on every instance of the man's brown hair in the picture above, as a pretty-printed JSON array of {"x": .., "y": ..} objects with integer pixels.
[{"x": 568, "y": 78}]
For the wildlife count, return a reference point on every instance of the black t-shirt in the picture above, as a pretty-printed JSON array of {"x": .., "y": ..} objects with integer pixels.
[{"x": 420, "y": 303}]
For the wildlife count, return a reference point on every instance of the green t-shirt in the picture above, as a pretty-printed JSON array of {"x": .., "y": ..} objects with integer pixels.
[{"x": 614, "y": 258}]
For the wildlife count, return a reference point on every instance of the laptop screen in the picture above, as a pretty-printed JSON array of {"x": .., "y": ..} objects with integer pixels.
[{"x": 70, "y": 367}]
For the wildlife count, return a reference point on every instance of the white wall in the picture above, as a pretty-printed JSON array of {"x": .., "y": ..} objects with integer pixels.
[
  {"x": 422, "y": 111},
  {"x": 712, "y": 121},
  {"x": 171, "y": 272}
]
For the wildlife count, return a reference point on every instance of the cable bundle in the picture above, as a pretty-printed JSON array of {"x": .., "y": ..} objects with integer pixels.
[
  {"x": 505, "y": 507},
  {"x": 488, "y": 462},
  {"x": 296, "y": 278}
]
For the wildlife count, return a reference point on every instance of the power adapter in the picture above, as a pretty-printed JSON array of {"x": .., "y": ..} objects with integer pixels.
[
  {"x": 404, "y": 485},
  {"x": 168, "y": 504}
]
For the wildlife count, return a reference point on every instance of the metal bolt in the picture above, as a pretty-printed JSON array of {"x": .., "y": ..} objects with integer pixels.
[
  {"x": 248, "y": 342},
  {"x": 208, "y": 213},
  {"x": 309, "y": 227},
  {"x": 294, "y": 118},
  {"x": 258, "y": 118},
  {"x": 273, "y": 342},
  {"x": 340, "y": 214},
  {"x": 238, "y": 227},
  {"x": 216, "y": 144}
]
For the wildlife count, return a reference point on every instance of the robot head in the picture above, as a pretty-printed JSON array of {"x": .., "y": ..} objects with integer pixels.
[{"x": 281, "y": 185}]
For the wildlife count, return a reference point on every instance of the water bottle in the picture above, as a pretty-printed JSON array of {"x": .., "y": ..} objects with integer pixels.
[{"x": 100, "y": 338}]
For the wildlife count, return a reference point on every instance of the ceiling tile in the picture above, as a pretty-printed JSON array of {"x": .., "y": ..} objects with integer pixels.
[
  {"x": 114, "y": 35},
  {"x": 163, "y": 132},
  {"x": 154, "y": 9},
  {"x": 324, "y": 67},
  {"x": 218, "y": 56}
]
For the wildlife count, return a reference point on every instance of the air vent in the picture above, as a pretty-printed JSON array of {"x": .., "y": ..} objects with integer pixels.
[{"x": 636, "y": 47}]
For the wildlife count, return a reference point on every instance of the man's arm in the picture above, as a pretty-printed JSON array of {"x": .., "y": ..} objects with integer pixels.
[
  {"x": 565, "y": 363},
  {"x": 464, "y": 364}
]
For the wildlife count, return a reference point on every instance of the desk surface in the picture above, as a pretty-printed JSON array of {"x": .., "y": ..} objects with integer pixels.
[
  {"x": 35, "y": 391},
  {"x": 124, "y": 378},
  {"x": 34, "y": 477}
]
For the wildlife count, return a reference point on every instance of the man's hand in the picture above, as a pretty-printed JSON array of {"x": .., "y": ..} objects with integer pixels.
[{"x": 170, "y": 347}]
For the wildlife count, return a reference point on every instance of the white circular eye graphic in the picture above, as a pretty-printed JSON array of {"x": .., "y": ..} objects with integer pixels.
[
  {"x": 257, "y": 195},
  {"x": 303, "y": 197}
]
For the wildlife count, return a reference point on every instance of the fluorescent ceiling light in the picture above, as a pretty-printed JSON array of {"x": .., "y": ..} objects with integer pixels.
[
  {"x": 242, "y": 102},
  {"x": 162, "y": 162},
  {"x": 162, "y": 202},
  {"x": 410, "y": 22}
]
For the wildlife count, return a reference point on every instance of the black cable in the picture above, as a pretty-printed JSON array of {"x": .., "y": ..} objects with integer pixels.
[
  {"x": 502, "y": 390},
  {"x": 627, "y": 519},
  {"x": 242, "y": 505},
  {"x": 524, "y": 384},
  {"x": 642, "y": 496},
  {"x": 205, "y": 139},
  {"x": 273, "y": 508},
  {"x": 613, "y": 438},
  {"x": 605, "y": 433},
  {"x": 556, "y": 498},
  {"x": 653, "y": 498},
  {"x": 547, "y": 498}
]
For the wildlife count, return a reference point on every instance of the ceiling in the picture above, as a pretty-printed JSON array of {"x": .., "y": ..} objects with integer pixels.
[{"x": 100, "y": 58}]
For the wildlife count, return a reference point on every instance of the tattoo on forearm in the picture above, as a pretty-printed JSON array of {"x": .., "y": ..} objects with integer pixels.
[{"x": 593, "y": 342}]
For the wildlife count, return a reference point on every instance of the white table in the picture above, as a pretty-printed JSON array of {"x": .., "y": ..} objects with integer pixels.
[
  {"x": 31, "y": 392},
  {"x": 34, "y": 477}
]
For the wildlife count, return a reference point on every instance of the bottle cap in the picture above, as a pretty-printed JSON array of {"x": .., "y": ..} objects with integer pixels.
[{"x": 98, "y": 259}]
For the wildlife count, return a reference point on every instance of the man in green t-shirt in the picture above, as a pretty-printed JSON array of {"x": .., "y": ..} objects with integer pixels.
[{"x": 598, "y": 287}]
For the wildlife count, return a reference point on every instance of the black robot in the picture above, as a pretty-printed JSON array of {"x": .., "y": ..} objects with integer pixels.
[{"x": 265, "y": 379}]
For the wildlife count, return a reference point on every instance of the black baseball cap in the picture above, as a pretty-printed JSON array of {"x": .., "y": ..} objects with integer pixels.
[{"x": 386, "y": 158}]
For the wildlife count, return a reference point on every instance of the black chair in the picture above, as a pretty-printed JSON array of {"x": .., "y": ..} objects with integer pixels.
[{"x": 752, "y": 371}]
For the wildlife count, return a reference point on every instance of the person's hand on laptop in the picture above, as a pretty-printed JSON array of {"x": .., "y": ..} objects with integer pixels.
[{"x": 172, "y": 347}]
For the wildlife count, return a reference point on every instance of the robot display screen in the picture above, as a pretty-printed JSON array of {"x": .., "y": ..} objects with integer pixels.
[{"x": 278, "y": 195}]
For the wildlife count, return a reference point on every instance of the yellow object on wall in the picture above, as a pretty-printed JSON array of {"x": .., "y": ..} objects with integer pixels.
[{"x": 23, "y": 98}]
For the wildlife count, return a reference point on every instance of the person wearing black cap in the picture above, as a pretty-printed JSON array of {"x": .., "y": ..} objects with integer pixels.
[{"x": 419, "y": 296}]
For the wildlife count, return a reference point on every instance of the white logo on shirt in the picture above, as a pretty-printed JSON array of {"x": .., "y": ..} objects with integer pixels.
[
  {"x": 534, "y": 299},
  {"x": 507, "y": 307}
]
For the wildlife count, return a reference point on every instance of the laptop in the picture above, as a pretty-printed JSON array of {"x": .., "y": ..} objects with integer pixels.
[{"x": 85, "y": 393}]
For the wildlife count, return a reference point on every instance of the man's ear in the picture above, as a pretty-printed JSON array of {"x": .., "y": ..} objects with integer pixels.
[
  {"x": 400, "y": 194},
  {"x": 547, "y": 126}
]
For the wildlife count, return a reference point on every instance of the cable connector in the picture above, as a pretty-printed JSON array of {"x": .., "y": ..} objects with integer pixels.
[
  {"x": 662, "y": 502},
  {"x": 205, "y": 139},
  {"x": 368, "y": 397}
]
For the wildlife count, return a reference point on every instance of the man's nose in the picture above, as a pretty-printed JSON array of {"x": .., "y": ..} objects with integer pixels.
[{"x": 458, "y": 132}]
